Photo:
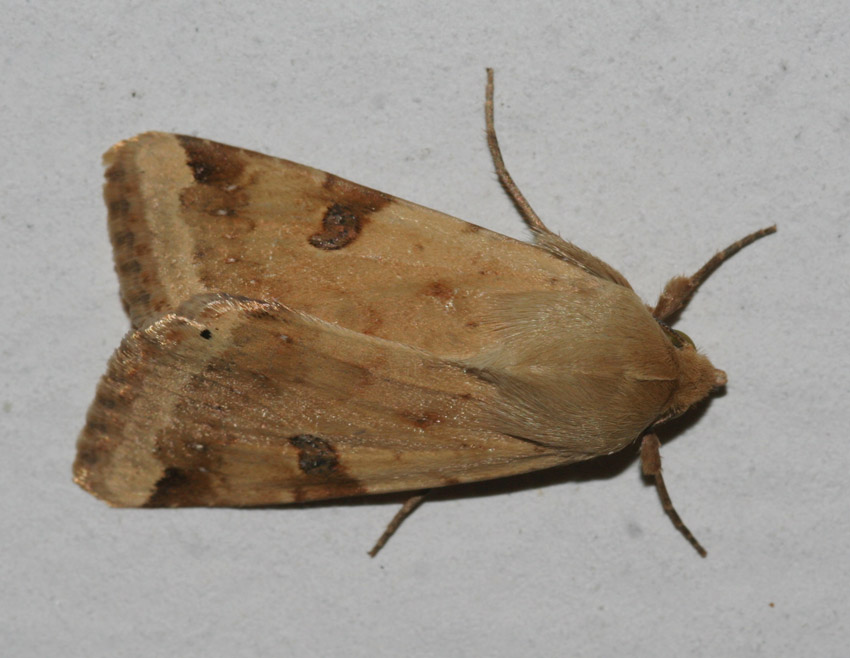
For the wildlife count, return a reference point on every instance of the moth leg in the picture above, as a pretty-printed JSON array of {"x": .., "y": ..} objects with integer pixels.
[
  {"x": 406, "y": 510},
  {"x": 679, "y": 289},
  {"x": 650, "y": 459},
  {"x": 543, "y": 237}
]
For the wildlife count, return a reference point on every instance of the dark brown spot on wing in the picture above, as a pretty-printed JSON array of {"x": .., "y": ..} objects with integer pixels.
[
  {"x": 340, "y": 227},
  {"x": 212, "y": 163},
  {"x": 422, "y": 420},
  {"x": 220, "y": 191},
  {"x": 181, "y": 487},
  {"x": 325, "y": 475},
  {"x": 315, "y": 455},
  {"x": 440, "y": 290},
  {"x": 348, "y": 210}
]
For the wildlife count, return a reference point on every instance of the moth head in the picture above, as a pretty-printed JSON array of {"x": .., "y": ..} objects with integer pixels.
[{"x": 698, "y": 378}]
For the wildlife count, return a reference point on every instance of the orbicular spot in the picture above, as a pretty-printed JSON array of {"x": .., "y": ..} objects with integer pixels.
[
  {"x": 340, "y": 227},
  {"x": 206, "y": 334},
  {"x": 212, "y": 163},
  {"x": 315, "y": 455},
  {"x": 422, "y": 420},
  {"x": 440, "y": 291},
  {"x": 348, "y": 209}
]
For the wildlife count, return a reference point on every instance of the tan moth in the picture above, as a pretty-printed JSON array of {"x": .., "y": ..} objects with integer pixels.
[{"x": 299, "y": 337}]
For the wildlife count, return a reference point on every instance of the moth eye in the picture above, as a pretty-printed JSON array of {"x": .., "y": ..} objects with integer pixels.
[{"x": 680, "y": 339}]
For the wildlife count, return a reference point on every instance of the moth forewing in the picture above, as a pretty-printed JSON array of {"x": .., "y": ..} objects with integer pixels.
[
  {"x": 301, "y": 337},
  {"x": 238, "y": 402},
  {"x": 215, "y": 218}
]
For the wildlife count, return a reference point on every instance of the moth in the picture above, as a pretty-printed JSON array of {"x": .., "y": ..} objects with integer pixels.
[{"x": 298, "y": 337}]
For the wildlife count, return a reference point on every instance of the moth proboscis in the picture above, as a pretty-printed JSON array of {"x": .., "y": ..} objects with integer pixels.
[{"x": 298, "y": 337}]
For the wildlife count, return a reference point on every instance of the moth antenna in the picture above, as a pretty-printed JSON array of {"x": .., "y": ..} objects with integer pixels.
[
  {"x": 679, "y": 289},
  {"x": 650, "y": 458},
  {"x": 505, "y": 179},
  {"x": 543, "y": 237},
  {"x": 406, "y": 510}
]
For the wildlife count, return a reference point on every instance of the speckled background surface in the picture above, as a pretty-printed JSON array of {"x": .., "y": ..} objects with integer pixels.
[{"x": 650, "y": 134}]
